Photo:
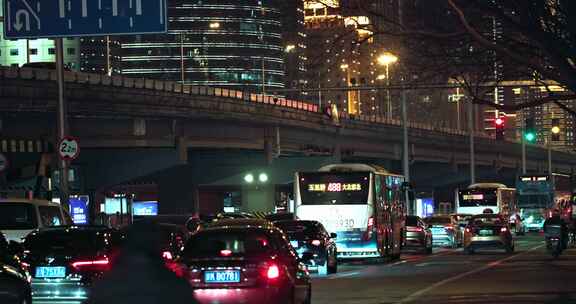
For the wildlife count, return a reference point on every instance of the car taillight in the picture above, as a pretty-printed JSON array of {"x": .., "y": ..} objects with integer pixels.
[
  {"x": 503, "y": 229},
  {"x": 273, "y": 272},
  {"x": 468, "y": 230},
  {"x": 94, "y": 265},
  {"x": 167, "y": 255},
  {"x": 370, "y": 223},
  {"x": 415, "y": 229},
  {"x": 316, "y": 242},
  {"x": 449, "y": 227},
  {"x": 226, "y": 252}
]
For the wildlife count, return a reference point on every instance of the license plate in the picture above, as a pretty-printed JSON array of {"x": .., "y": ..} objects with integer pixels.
[
  {"x": 222, "y": 276},
  {"x": 485, "y": 232},
  {"x": 50, "y": 272},
  {"x": 294, "y": 244},
  {"x": 438, "y": 230}
]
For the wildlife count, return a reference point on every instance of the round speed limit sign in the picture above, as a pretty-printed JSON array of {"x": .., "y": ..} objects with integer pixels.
[
  {"x": 3, "y": 162},
  {"x": 68, "y": 149}
]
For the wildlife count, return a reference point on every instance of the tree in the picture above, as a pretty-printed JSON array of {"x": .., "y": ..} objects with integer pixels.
[{"x": 468, "y": 39}]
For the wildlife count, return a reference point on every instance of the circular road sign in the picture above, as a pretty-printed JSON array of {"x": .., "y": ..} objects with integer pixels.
[
  {"x": 68, "y": 149},
  {"x": 3, "y": 162}
]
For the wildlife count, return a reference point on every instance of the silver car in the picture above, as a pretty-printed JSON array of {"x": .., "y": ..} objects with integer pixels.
[{"x": 445, "y": 231}]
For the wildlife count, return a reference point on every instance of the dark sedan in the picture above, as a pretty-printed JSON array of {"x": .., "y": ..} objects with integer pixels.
[
  {"x": 14, "y": 284},
  {"x": 245, "y": 261},
  {"x": 65, "y": 261},
  {"x": 418, "y": 235},
  {"x": 313, "y": 243}
]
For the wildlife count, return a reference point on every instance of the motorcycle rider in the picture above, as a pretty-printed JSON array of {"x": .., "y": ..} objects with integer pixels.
[{"x": 555, "y": 220}]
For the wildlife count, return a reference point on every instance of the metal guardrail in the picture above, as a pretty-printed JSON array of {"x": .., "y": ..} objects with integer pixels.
[{"x": 175, "y": 87}]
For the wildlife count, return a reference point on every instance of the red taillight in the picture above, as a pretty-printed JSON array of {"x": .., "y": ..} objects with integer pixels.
[
  {"x": 415, "y": 229},
  {"x": 316, "y": 242},
  {"x": 273, "y": 272},
  {"x": 370, "y": 223},
  {"x": 226, "y": 252},
  {"x": 468, "y": 230},
  {"x": 167, "y": 255},
  {"x": 449, "y": 227},
  {"x": 503, "y": 229},
  {"x": 98, "y": 265}
]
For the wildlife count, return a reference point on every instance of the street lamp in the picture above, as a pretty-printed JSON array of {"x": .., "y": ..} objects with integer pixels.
[
  {"x": 386, "y": 59},
  {"x": 554, "y": 131}
]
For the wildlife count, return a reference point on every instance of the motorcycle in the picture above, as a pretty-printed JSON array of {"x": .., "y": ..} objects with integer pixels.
[{"x": 554, "y": 246}]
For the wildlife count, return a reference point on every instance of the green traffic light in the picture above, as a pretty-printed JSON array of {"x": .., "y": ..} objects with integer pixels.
[{"x": 530, "y": 136}]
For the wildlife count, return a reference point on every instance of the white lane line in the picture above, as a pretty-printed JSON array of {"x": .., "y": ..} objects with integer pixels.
[
  {"x": 343, "y": 275},
  {"x": 420, "y": 293}
]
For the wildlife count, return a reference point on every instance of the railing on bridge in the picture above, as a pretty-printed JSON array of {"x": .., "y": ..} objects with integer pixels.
[{"x": 175, "y": 87}]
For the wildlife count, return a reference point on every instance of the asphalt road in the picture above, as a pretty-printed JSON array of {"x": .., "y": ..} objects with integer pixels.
[{"x": 529, "y": 275}]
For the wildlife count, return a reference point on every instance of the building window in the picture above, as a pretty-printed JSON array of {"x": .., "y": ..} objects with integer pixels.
[
  {"x": 33, "y": 51},
  {"x": 71, "y": 51},
  {"x": 13, "y": 52},
  {"x": 51, "y": 51}
]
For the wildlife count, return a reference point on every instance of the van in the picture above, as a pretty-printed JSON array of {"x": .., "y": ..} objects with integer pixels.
[{"x": 19, "y": 217}]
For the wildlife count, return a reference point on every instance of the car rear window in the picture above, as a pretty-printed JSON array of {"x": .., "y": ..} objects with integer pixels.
[
  {"x": 300, "y": 229},
  {"x": 487, "y": 220},
  {"x": 411, "y": 221},
  {"x": 438, "y": 220},
  {"x": 51, "y": 216},
  {"x": 234, "y": 242},
  {"x": 17, "y": 216},
  {"x": 66, "y": 241}
]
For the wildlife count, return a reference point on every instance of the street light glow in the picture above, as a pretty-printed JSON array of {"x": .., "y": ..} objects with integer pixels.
[
  {"x": 214, "y": 25},
  {"x": 344, "y": 66},
  {"x": 249, "y": 178},
  {"x": 387, "y": 58},
  {"x": 289, "y": 48},
  {"x": 555, "y": 130},
  {"x": 263, "y": 177}
]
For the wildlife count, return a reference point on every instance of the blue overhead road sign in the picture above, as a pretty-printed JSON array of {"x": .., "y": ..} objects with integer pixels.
[{"x": 69, "y": 18}]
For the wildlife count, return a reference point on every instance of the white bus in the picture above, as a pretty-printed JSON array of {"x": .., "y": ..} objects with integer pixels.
[
  {"x": 364, "y": 205},
  {"x": 481, "y": 196}
]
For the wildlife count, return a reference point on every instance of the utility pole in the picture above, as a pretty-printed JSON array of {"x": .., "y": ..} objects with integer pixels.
[
  {"x": 405, "y": 156},
  {"x": 472, "y": 152},
  {"x": 62, "y": 121},
  {"x": 523, "y": 146}
]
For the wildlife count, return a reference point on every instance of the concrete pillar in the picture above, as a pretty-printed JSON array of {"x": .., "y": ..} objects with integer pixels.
[
  {"x": 269, "y": 151},
  {"x": 258, "y": 198},
  {"x": 182, "y": 148},
  {"x": 337, "y": 153}
]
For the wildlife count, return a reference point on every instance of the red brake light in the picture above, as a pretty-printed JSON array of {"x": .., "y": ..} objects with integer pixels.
[
  {"x": 316, "y": 242},
  {"x": 449, "y": 227},
  {"x": 273, "y": 272},
  {"x": 370, "y": 223},
  {"x": 226, "y": 252},
  {"x": 468, "y": 230},
  {"x": 503, "y": 229},
  {"x": 167, "y": 255},
  {"x": 94, "y": 264}
]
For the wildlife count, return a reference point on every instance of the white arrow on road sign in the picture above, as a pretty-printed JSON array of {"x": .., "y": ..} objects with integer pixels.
[
  {"x": 18, "y": 25},
  {"x": 34, "y": 14},
  {"x": 68, "y": 149}
]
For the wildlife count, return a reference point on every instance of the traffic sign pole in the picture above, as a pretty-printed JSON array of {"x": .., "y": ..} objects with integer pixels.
[{"x": 62, "y": 121}]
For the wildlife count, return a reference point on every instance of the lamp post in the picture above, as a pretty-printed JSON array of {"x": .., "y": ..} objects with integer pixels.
[
  {"x": 554, "y": 131},
  {"x": 386, "y": 59}
]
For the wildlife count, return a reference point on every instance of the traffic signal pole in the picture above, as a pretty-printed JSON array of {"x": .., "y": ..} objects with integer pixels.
[{"x": 523, "y": 147}]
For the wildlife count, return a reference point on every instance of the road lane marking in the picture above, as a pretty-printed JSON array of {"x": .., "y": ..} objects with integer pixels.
[
  {"x": 420, "y": 293},
  {"x": 343, "y": 275}
]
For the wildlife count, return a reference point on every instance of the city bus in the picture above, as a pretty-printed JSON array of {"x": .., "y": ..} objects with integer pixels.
[
  {"x": 538, "y": 194},
  {"x": 477, "y": 198},
  {"x": 363, "y": 204}
]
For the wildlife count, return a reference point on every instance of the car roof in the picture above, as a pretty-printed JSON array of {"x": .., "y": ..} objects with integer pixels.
[
  {"x": 31, "y": 202},
  {"x": 72, "y": 229},
  {"x": 241, "y": 222}
]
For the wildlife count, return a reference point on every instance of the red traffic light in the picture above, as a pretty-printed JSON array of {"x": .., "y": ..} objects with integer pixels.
[{"x": 499, "y": 121}]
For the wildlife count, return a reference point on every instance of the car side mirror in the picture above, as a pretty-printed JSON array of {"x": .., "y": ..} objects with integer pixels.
[
  {"x": 15, "y": 248},
  {"x": 333, "y": 235}
]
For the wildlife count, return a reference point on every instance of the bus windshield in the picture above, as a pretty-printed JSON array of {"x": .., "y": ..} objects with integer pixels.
[
  {"x": 478, "y": 197},
  {"x": 325, "y": 188}
]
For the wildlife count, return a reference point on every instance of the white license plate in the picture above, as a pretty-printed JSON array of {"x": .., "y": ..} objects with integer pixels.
[{"x": 50, "y": 272}]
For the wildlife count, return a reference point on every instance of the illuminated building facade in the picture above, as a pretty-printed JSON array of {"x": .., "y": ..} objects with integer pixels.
[
  {"x": 342, "y": 54},
  {"x": 19, "y": 52},
  {"x": 221, "y": 43},
  {"x": 545, "y": 117}
]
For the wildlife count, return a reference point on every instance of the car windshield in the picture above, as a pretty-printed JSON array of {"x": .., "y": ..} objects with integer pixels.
[
  {"x": 17, "y": 216},
  {"x": 438, "y": 220},
  {"x": 411, "y": 221},
  {"x": 66, "y": 241},
  {"x": 224, "y": 242},
  {"x": 300, "y": 229},
  {"x": 487, "y": 220}
]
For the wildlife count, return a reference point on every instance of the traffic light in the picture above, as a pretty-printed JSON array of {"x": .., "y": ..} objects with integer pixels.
[
  {"x": 499, "y": 124},
  {"x": 529, "y": 130}
]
